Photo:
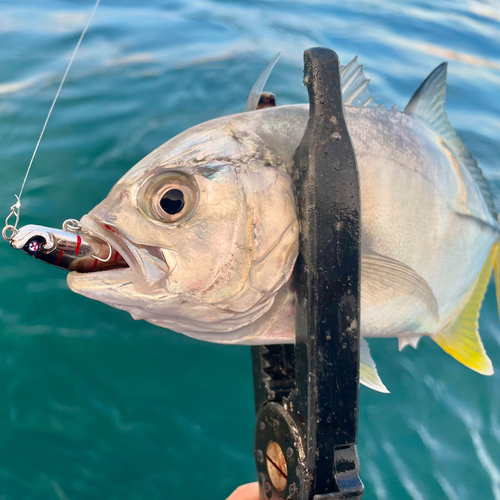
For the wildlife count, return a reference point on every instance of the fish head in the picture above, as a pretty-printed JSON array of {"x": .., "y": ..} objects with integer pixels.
[{"x": 208, "y": 228}]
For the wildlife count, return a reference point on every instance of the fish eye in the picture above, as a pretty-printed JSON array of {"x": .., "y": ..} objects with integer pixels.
[
  {"x": 172, "y": 202},
  {"x": 171, "y": 197}
]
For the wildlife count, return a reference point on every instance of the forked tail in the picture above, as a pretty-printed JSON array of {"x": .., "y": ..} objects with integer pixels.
[{"x": 460, "y": 338}]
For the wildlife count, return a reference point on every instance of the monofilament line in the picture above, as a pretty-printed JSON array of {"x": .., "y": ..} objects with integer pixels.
[
  {"x": 16, "y": 208},
  {"x": 57, "y": 95}
]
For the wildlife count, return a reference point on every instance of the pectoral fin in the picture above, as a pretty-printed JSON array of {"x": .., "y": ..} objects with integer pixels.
[
  {"x": 385, "y": 279},
  {"x": 368, "y": 370},
  {"x": 461, "y": 338}
]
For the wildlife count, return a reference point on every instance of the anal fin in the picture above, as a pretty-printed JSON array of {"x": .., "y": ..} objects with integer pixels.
[
  {"x": 460, "y": 338},
  {"x": 368, "y": 373}
]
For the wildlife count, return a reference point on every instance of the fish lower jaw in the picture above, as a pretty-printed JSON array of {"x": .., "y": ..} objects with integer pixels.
[
  {"x": 100, "y": 284},
  {"x": 271, "y": 323}
]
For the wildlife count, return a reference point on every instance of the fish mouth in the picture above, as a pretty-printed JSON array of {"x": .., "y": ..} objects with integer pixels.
[
  {"x": 131, "y": 282},
  {"x": 113, "y": 285},
  {"x": 113, "y": 255},
  {"x": 140, "y": 268}
]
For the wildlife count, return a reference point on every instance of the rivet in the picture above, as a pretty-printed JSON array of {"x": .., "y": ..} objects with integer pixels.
[{"x": 268, "y": 490}]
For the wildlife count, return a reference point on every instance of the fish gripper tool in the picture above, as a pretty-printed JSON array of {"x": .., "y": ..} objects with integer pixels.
[{"x": 306, "y": 395}]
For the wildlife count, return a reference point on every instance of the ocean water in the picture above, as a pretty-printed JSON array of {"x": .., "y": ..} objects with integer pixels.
[{"x": 96, "y": 405}]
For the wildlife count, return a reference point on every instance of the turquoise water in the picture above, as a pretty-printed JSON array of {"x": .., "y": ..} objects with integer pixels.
[{"x": 96, "y": 405}]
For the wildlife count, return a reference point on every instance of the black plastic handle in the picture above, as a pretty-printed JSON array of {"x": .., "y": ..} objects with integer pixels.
[{"x": 307, "y": 397}]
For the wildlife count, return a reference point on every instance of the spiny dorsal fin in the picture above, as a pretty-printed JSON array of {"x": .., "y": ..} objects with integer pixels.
[
  {"x": 258, "y": 86},
  {"x": 461, "y": 338},
  {"x": 355, "y": 91},
  {"x": 429, "y": 103},
  {"x": 368, "y": 374}
]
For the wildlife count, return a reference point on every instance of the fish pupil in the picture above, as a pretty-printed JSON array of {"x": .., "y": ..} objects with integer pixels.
[{"x": 172, "y": 202}]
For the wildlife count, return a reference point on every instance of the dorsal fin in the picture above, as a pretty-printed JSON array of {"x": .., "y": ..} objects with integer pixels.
[
  {"x": 258, "y": 86},
  {"x": 355, "y": 91},
  {"x": 429, "y": 102}
]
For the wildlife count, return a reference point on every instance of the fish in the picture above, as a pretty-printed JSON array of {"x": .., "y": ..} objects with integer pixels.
[{"x": 206, "y": 230}]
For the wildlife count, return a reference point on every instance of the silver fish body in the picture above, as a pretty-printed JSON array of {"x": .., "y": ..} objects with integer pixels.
[{"x": 219, "y": 268}]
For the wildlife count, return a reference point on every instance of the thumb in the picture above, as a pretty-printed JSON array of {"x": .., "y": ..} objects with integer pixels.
[{"x": 248, "y": 491}]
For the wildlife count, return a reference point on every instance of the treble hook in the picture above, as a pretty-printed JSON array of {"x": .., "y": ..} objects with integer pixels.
[
  {"x": 74, "y": 226},
  {"x": 109, "y": 256}
]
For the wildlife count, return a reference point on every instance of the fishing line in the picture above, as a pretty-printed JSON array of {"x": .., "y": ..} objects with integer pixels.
[{"x": 16, "y": 208}]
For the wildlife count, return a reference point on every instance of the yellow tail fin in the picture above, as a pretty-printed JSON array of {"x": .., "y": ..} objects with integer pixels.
[
  {"x": 496, "y": 267},
  {"x": 461, "y": 338}
]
